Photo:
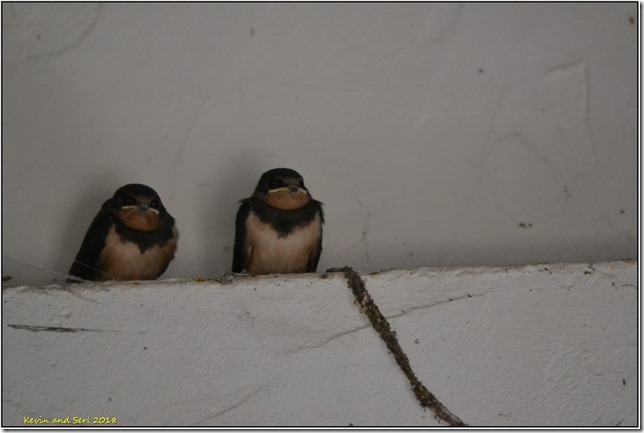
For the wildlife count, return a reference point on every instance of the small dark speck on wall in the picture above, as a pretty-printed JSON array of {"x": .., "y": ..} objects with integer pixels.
[
  {"x": 480, "y": 70},
  {"x": 525, "y": 225},
  {"x": 632, "y": 20},
  {"x": 252, "y": 31},
  {"x": 621, "y": 212}
]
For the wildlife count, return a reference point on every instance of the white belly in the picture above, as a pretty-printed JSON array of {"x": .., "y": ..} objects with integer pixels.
[
  {"x": 269, "y": 253},
  {"x": 124, "y": 261}
]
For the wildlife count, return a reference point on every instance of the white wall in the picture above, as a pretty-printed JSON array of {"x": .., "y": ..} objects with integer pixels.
[
  {"x": 551, "y": 345},
  {"x": 435, "y": 134}
]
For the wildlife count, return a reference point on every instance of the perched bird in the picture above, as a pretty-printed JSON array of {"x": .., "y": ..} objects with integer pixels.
[
  {"x": 279, "y": 228},
  {"x": 133, "y": 237}
]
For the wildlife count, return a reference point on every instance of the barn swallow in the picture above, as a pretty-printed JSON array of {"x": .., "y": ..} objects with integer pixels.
[
  {"x": 279, "y": 228},
  {"x": 133, "y": 237}
]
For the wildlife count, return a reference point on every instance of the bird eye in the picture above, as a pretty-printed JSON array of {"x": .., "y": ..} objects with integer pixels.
[
  {"x": 154, "y": 203},
  {"x": 275, "y": 183},
  {"x": 300, "y": 183},
  {"x": 128, "y": 200}
]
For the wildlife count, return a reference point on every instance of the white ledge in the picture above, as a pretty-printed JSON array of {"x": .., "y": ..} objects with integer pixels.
[{"x": 541, "y": 345}]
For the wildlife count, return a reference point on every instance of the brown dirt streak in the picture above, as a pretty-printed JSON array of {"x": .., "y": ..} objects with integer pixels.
[{"x": 381, "y": 325}]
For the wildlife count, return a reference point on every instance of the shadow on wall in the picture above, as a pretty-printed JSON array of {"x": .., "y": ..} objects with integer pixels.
[{"x": 534, "y": 248}]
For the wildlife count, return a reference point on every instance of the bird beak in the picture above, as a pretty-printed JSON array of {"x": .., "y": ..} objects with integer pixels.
[
  {"x": 142, "y": 207},
  {"x": 291, "y": 188},
  {"x": 145, "y": 208}
]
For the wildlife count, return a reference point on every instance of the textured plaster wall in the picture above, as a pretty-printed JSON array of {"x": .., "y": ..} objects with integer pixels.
[
  {"x": 435, "y": 134},
  {"x": 547, "y": 345}
]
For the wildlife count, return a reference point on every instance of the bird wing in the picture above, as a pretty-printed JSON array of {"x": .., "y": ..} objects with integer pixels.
[
  {"x": 240, "y": 252},
  {"x": 315, "y": 255},
  {"x": 86, "y": 264}
]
